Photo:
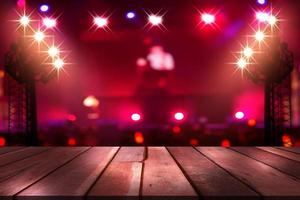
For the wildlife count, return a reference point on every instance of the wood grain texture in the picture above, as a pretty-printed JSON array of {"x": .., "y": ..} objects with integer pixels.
[
  {"x": 19, "y": 175},
  {"x": 209, "y": 179},
  {"x": 162, "y": 177},
  {"x": 122, "y": 178},
  {"x": 74, "y": 178},
  {"x": 24, "y": 153},
  {"x": 4, "y": 150},
  {"x": 294, "y": 149},
  {"x": 282, "y": 153},
  {"x": 262, "y": 178},
  {"x": 283, "y": 164}
]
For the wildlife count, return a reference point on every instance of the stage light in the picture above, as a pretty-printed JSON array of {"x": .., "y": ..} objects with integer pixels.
[
  {"x": 176, "y": 129},
  {"x": 100, "y": 21},
  {"x": 259, "y": 36},
  {"x": 138, "y": 137},
  {"x": 179, "y": 116},
  {"x": 24, "y": 20},
  {"x": 49, "y": 23},
  {"x": 53, "y": 51},
  {"x": 155, "y": 20},
  {"x": 58, "y": 63},
  {"x": 44, "y": 8},
  {"x": 91, "y": 102},
  {"x": 208, "y": 18},
  {"x": 262, "y": 16},
  {"x": 225, "y": 143},
  {"x": 130, "y": 15},
  {"x": 262, "y": 2},
  {"x": 286, "y": 140},
  {"x": 272, "y": 20},
  {"x": 248, "y": 52},
  {"x": 2, "y": 142},
  {"x": 194, "y": 142},
  {"x": 72, "y": 142},
  {"x": 241, "y": 63},
  {"x": 239, "y": 115},
  {"x": 39, "y": 36},
  {"x": 251, "y": 122},
  {"x": 136, "y": 117}
]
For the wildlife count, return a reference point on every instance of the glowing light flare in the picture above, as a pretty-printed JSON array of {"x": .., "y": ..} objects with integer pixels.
[
  {"x": 286, "y": 140},
  {"x": 251, "y": 122},
  {"x": 208, "y": 18},
  {"x": 72, "y": 142},
  {"x": 49, "y": 22},
  {"x": 272, "y": 20},
  {"x": 176, "y": 129},
  {"x": 135, "y": 117},
  {"x": 2, "y": 142},
  {"x": 260, "y": 36},
  {"x": 225, "y": 143},
  {"x": 262, "y": 2},
  {"x": 58, "y": 63},
  {"x": 262, "y": 16},
  {"x": 100, "y": 22},
  {"x": 179, "y": 116},
  {"x": 239, "y": 115},
  {"x": 91, "y": 102},
  {"x": 39, "y": 36},
  {"x": 248, "y": 52},
  {"x": 24, "y": 20},
  {"x": 44, "y": 8},
  {"x": 138, "y": 137},
  {"x": 155, "y": 20},
  {"x": 242, "y": 63},
  {"x": 130, "y": 15},
  {"x": 194, "y": 142},
  {"x": 53, "y": 51}
]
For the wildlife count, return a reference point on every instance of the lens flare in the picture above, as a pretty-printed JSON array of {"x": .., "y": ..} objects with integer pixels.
[
  {"x": 58, "y": 63},
  {"x": 24, "y": 20},
  {"x": 49, "y": 23},
  {"x": 242, "y": 63},
  {"x": 155, "y": 20},
  {"x": 208, "y": 18},
  {"x": 272, "y": 20},
  {"x": 39, "y": 36},
  {"x": 53, "y": 51},
  {"x": 100, "y": 22},
  {"x": 248, "y": 52},
  {"x": 259, "y": 36}
]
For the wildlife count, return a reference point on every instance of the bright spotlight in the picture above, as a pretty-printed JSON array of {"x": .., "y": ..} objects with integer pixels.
[
  {"x": 241, "y": 63},
  {"x": 39, "y": 36},
  {"x": 272, "y": 20},
  {"x": 208, "y": 18},
  {"x": 49, "y": 23},
  {"x": 44, "y": 8},
  {"x": 135, "y": 117},
  {"x": 259, "y": 36},
  {"x": 155, "y": 20},
  {"x": 262, "y": 2},
  {"x": 100, "y": 21},
  {"x": 91, "y": 102},
  {"x": 248, "y": 52},
  {"x": 262, "y": 16},
  {"x": 239, "y": 115},
  {"x": 24, "y": 20},
  {"x": 179, "y": 116},
  {"x": 58, "y": 63},
  {"x": 130, "y": 15},
  {"x": 53, "y": 51}
]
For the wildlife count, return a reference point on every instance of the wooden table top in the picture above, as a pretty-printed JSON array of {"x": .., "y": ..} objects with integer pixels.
[{"x": 149, "y": 172}]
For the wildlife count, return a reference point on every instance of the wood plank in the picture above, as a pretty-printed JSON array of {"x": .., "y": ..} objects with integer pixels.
[
  {"x": 75, "y": 178},
  {"x": 122, "y": 178},
  {"x": 4, "y": 150},
  {"x": 282, "y": 153},
  {"x": 283, "y": 164},
  {"x": 209, "y": 179},
  {"x": 291, "y": 149},
  {"x": 266, "y": 180},
  {"x": 24, "y": 153},
  {"x": 162, "y": 177},
  {"x": 19, "y": 175}
]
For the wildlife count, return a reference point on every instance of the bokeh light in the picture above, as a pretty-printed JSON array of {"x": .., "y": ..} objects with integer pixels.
[
  {"x": 260, "y": 36},
  {"x": 136, "y": 117},
  {"x": 130, "y": 15},
  {"x": 58, "y": 63},
  {"x": 239, "y": 115},
  {"x": 24, "y": 20},
  {"x": 53, "y": 51},
  {"x": 91, "y": 102},
  {"x": 39, "y": 36},
  {"x": 155, "y": 20},
  {"x": 178, "y": 116},
  {"x": 49, "y": 22},
  {"x": 138, "y": 137},
  {"x": 248, "y": 52},
  {"x": 208, "y": 18},
  {"x": 100, "y": 22},
  {"x": 2, "y": 141},
  {"x": 242, "y": 63},
  {"x": 225, "y": 143},
  {"x": 72, "y": 141},
  {"x": 44, "y": 8}
]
